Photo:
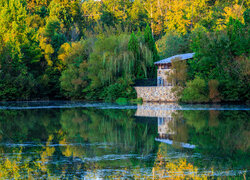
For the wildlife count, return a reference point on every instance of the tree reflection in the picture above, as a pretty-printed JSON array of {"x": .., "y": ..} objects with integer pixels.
[
  {"x": 76, "y": 142},
  {"x": 166, "y": 168},
  {"x": 219, "y": 132},
  {"x": 117, "y": 127}
]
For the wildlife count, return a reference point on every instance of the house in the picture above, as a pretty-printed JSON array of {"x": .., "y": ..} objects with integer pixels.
[
  {"x": 162, "y": 92},
  {"x": 164, "y": 68}
]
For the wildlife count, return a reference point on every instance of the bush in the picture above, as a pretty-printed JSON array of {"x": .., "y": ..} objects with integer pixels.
[
  {"x": 195, "y": 91},
  {"x": 122, "y": 101},
  {"x": 120, "y": 89},
  {"x": 213, "y": 90}
]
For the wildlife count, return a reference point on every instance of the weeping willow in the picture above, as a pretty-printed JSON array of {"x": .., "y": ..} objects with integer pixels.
[{"x": 111, "y": 60}]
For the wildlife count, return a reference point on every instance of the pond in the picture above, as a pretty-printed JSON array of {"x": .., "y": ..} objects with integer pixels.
[{"x": 78, "y": 140}]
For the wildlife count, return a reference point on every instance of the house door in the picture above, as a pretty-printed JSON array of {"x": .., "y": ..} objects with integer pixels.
[{"x": 159, "y": 81}]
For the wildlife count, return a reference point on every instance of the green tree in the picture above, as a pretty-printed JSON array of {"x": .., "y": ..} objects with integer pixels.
[
  {"x": 133, "y": 45},
  {"x": 195, "y": 92},
  {"x": 20, "y": 54},
  {"x": 172, "y": 43},
  {"x": 178, "y": 75},
  {"x": 74, "y": 78},
  {"x": 150, "y": 42}
]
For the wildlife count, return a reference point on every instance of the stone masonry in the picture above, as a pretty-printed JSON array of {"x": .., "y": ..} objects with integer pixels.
[{"x": 156, "y": 94}]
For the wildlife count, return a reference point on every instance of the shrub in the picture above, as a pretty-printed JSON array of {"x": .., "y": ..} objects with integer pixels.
[
  {"x": 120, "y": 89},
  {"x": 213, "y": 90},
  {"x": 195, "y": 91},
  {"x": 122, "y": 101}
]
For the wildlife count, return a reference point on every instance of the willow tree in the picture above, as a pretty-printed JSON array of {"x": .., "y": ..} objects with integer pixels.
[{"x": 111, "y": 59}]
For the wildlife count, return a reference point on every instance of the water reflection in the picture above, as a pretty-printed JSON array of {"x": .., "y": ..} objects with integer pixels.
[{"x": 148, "y": 142}]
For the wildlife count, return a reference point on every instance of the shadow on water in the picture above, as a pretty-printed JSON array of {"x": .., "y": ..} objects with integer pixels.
[{"x": 98, "y": 140}]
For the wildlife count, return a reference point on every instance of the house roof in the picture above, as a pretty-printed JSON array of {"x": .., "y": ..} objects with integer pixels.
[{"x": 181, "y": 56}]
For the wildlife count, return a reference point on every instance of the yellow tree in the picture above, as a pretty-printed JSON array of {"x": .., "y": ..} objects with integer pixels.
[
  {"x": 176, "y": 18},
  {"x": 177, "y": 15},
  {"x": 137, "y": 14},
  {"x": 91, "y": 10},
  {"x": 235, "y": 11},
  {"x": 158, "y": 9},
  {"x": 117, "y": 8},
  {"x": 196, "y": 10}
]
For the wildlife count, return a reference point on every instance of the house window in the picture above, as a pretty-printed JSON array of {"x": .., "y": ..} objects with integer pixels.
[{"x": 161, "y": 121}]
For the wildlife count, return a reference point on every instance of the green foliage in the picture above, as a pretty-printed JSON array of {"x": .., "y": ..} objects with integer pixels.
[
  {"x": 122, "y": 101},
  {"x": 172, "y": 43},
  {"x": 179, "y": 74},
  {"x": 42, "y": 51},
  {"x": 150, "y": 42},
  {"x": 133, "y": 45},
  {"x": 246, "y": 16},
  {"x": 238, "y": 43},
  {"x": 195, "y": 92},
  {"x": 75, "y": 76},
  {"x": 120, "y": 89},
  {"x": 111, "y": 60},
  {"x": 220, "y": 56}
]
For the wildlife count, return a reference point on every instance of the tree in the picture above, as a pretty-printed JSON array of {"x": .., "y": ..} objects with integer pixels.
[
  {"x": 213, "y": 90},
  {"x": 178, "y": 73},
  {"x": 195, "y": 92},
  {"x": 172, "y": 43},
  {"x": 137, "y": 15},
  {"x": 69, "y": 15},
  {"x": 51, "y": 40},
  {"x": 19, "y": 55},
  {"x": 112, "y": 59},
  {"x": 133, "y": 45},
  {"x": 150, "y": 42},
  {"x": 91, "y": 11},
  {"x": 74, "y": 78}
]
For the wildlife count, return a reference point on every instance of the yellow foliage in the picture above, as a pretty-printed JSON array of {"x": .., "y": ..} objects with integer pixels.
[
  {"x": 235, "y": 11},
  {"x": 64, "y": 51},
  {"x": 91, "y": 10}
]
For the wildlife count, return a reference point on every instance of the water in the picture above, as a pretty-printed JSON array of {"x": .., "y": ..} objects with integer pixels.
[{"x": 77, "y": 140}]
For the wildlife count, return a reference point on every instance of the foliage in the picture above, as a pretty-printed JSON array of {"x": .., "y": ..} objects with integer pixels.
[
  {"x": 214, "y": 94},
  {"x": 122, "y": 101},
  {"x": 179, "y": 73},
  {"x": 120, "y": 89},
  {"x": 112, "y": 59},
  {"x": 75, "y": 76},
  {"x": 37, "y": 38},
  {"x": 219, "y": 56},
  {"x": 195, "y": 92},
  {"x": 172, "y": 43},
  {"x": 150, "y": 42}
]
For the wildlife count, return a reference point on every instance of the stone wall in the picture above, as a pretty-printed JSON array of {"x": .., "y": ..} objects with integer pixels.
[{"x": 156, "y": 94}]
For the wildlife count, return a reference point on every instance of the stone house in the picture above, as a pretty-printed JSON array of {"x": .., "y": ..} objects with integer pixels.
[{"x": 162, "y": 92}]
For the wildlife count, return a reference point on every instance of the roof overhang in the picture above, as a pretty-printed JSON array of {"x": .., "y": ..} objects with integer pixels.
[{"x": 180, "y": 56}]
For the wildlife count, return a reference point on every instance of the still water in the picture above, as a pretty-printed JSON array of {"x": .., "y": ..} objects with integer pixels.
[{"x": 77, "y": 140}]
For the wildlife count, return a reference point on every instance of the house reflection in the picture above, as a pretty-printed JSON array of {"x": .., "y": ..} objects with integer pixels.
[
  {"x": 168, "y": 131},
  {"x": 163, "y": 112},
  {"x": 166, "y": 127}
]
